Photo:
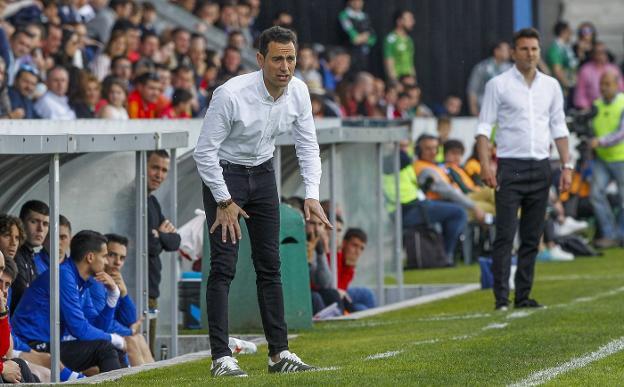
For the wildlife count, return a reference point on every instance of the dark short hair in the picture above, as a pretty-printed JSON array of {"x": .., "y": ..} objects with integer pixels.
[
  {"x": 21, "y": 31},
  {"x": 117, "y": 59},
  {"x": 498, "y": 44},
  {"x": 450, "y": 145},
  {"x": 159, "y": 152},
  {"x": 182, "y": 69},
  {"x": 63, "y": 221},
  {"x": 399, "y": 14},
  {"x": 10, "y": 268},
  {"x": 149, "y": 34},
  {"x": 146, "y": 77},
  {"x": 276, "y": 34},
  {"x": 560, "y": 26},
  {"x": 7, "y": 222},
  {"x": 180, "y": 96},
  {"x": 35, "y": 206},
  {"x": 178, "y": 30},
  {"x": 356, "y": 233},
  {"x": 56, "y": 68},
  {"x": 116, "y": 238},
  {"x": 531, "y": 33},
  {"x": 85, "y": 242}
]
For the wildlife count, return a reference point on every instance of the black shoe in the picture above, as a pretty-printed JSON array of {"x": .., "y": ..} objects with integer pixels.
[
  {"x": 528, "y": 303},
  {"x": 289, "y": 362}
]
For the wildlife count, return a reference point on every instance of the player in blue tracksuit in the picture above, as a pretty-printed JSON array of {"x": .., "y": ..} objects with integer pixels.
[
  {"x": 125, "y": 323},
  {"x": 84, "y": 339}
]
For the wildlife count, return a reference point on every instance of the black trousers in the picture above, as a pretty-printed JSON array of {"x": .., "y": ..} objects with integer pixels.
[
  {"x": 27, "y": 375},
  {"x": 254, "y": 190},
  {"x": 81, "y": 355},
  {"x": 524, "y": 185}
]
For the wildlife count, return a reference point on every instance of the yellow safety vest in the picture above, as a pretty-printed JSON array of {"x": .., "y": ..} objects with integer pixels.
[{"x": 608, "y": 121}]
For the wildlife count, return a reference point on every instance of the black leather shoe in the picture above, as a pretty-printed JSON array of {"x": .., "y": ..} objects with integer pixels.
[{"x": 528, "y": 303}]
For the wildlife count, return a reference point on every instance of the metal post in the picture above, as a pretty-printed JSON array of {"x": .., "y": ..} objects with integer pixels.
[
  {"x": 332, "y": 215},
  {"x": 398, "y": 221},
  {"x": 277, "y": 165},
  {"x": 141, "y": 241},
  {"x": 173, "y": 213},
  {"x": 379, "y": 225},
  {"x": 55, "y": 333}
]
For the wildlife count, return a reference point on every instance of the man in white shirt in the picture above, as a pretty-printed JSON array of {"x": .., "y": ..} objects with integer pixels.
[
  {"x": 527, "y": 107},
  {"x": 234, "y": 159},
  {"x": 54, "y": 104}
]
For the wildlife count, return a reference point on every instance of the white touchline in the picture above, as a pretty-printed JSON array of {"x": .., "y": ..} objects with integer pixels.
[
  {"x": 495, "y": 326},
  {"x": 543, "y": 376},
  {"x": 383, "y": 355}
]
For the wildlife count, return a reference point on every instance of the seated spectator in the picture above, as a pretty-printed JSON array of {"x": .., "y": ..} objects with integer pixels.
[
  {"x": 236, "y": 39},
  {"x": 228, "y": 18},
  {"x": 357, "y": 102},
  {"x": 142, "y": 102},
  {"x": 473, "y": 165},
  {"x": 65, "y": 57},
  {"x": 402, "y": 106},
  {"x": 86, "y": 99},
  {"x": 588, "y": 81},
  {"x": 245, "y": 20},
  {"x": 34, "y": 215},
  {"x": 184, "y": 79},
  {"x": 21, "y": 45},
  {"x": 149, "y": 47},
  {"x": 307, "y": 67},
  {"x": 115, "y": 94},
  {"x": 164, "y": 73},
  {"x": 181, "y": 105},
  {"x": 12, "y": 235},
  {"x": 6, "y": 111},
  {"x": 419, "y": 109},
  {"x": 116, "y": 46},
  {"x": 356, "y": 298},
  {"x": 125, "y": 322},
  {"x": 231, "y": 65},
  {"x": 207, "y": 11},
  {"x": 121, "y": 68},
  {"x": 197, "y": 55},
  {"x": 416, "y": 209},
  {"x": 283, "y": 19},
  {"x": 443, "y": 128},
  {"x": 451, "y": 107},
  {"x": 148, "y": 18},
  {"x": 436, "y": 181},
  {"x": 51, "y": 45},
  {"x": 42, "y": 258},
  {"x": 335, "y": 67},
  {"x": 84, "y": 342},
  {"x": 22, "y": 92},
  {"x": 11, "y": 370},
  {"x": 181, "y": 45},
  {"x": 54, "y": 104}
]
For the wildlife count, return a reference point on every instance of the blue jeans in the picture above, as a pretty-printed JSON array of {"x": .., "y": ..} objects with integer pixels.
[
  {"x": 452, "y": 217},
  {"x": 361, "y": 298},
  {"x": 602, "y": 174}
]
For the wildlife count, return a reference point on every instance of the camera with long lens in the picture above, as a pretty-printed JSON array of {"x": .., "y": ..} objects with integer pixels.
[{"x": 579, "y": 123}]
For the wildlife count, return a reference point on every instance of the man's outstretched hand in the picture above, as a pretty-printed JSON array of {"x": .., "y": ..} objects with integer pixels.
[{"x": 313, "y": 206}]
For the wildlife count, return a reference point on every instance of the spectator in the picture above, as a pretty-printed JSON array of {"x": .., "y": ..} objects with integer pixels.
[
  {"x": 561, "y": 59},
  {"x": 101, "y": 25},
  {"x": 12, "y": 235},
  {"x": 437, "y": 182},
  {"x": 208, "y": 11},
  {"x": 334, "y": 69},
  {"x": 356, "y": 298},
  {"x": 121, "y": 68},
  {"x": 34, "y": 215},
  {"x": 402, "y": 106},
  {"x": 236, "y": 39},
  {"x": 136, "y": 15},
  {"x": 115, "y": 93},
  {"x": 125, "y": 322},
  {"x": 164, "y": 73},
  {"x": 52, "y": 43},
  {"x": 184, "y": 78},
  {"x": 608, "y": 143},
  {"x": 197, "y": 54},
  {"x": 418, "y": 109},
  {"x": 150, "y": 46},
  {"x": 22, "y": 91},
  {"x": 473, "y": 165},
  {"x": 117, "y": 46},
  {"x": 243, "y": 9},
  {"x": 231, "y": 65},
  {"x": 444, "y": 131},
  {"x": 451, "y": 107},
  {"x": 358, "y": 27},
  {"x": 181, "y": 105},
  {"x": 42, "y": 259},
  {"x": 85, "y": 100},
  {"x": 148, "y": 18},
  {"x": 142, "y": 102},
  {"x": 19, "y": 54},
  {"x": 6, "y": 110},
  {"x": 390, "y": 98},
  {"x": 398, "y": 47},
  {"x": 357, "y": 103},
  {"x": 283, "y": 19},
  {"x": 307, "y": 67},
  {"x": 588, "y": 82},
  {"x": 54, "y": 103},
  {"x": 485, "y": 70},
  {"x": 65, "y": 57},
  {"x": 586, "y": 38},
  {"x": 162, "y": 234},
  {"x": 84, "y": 343},
  {"x": 182, "y": 43},
  {"x": 84, "y": 54}
]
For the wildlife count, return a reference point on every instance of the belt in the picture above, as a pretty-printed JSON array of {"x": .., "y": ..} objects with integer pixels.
[{"x": 226, "y": 165}]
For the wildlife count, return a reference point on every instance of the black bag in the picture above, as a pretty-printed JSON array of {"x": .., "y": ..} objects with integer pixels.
[
  {"x": 577, "y": 246},
  {"x": 424, "y": 247}
]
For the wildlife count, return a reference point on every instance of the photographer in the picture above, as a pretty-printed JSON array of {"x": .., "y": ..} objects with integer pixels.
[{"x": 608, "y": 144}]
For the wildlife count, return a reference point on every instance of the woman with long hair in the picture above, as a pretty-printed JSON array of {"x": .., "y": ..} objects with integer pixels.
[{"x": 117, "y": 46}]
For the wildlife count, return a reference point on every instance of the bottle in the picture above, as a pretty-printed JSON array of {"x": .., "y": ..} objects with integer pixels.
[{"x": 164, "y": 352}]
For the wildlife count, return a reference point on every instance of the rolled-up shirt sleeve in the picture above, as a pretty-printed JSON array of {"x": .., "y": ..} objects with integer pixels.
[
  {"x": 558, "y": 127},
  {"x": 307, "y": 148},
  {"x": 215, "y": 129},
  {"x": 489, "y": 110}
]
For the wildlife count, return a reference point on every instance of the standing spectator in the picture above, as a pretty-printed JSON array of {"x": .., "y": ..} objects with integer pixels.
[
  {"x": 22, "y": 91},
  {"x": 117, "y": 46},
  {"x": 142, "y": 102},
  {"x": 586, "y": 38},
  {"x": 162, "y": 234},
  {"x": 35, "y": 218},
  {"x": 485, "y": 70},
  {"x": 561, "y": 59},
  {"x": 358, "y": 27},
  {"x": 398, "y": 47},
  {"x": 85, "y": 100},
  {"x": 115, "y": 92},
  {"x": 335, "y": 68},
  {"x": 307, "y": 67},
  {"x": 588, "y": 82},
  {"x": 54, "y": 103},
  {"x": 608, "y": 126}
]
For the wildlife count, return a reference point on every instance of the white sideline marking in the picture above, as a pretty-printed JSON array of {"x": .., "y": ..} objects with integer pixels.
[
  {"x": 519, "y": 314},
  {"x": 462, "y": 337},
  {"x": 456, "y": 317},
  {"x": 422, "y": 342},
  {"x": 383, "y": 355},
  {"x": 495, "y": 326},
  {"x": 543, "y": 376},
  {"x": 325, "y": 369},
  {"x": 576, "y": 277}
]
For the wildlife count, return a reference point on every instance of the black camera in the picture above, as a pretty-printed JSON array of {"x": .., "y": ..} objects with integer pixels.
[{"x": 579, "y": 122}]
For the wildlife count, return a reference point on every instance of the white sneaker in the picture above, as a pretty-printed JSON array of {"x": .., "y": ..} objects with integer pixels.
[
  {"x": 226, "y": 366},
  {"x": 570, "y": 226},
  {"x": 558, "y": 254},
  {"x": 242, "y": 347}
]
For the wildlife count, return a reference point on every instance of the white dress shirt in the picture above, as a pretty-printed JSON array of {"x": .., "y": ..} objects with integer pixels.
[
  {"x": 241, "y": 125},
  {"x": 54, "y": 107},
  {"x": 527, "y": 118}
]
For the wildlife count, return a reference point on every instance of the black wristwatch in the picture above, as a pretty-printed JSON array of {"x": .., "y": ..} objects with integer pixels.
[{"x": 225, "y": 203}]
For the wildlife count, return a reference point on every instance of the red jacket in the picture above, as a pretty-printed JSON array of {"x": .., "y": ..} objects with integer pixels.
[
  {"x": 345, "y": 273},
  {"x": 5, "y": 339}
]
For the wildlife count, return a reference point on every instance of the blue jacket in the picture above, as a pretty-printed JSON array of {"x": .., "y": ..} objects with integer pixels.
[
  {"x": 79, "y": 319},
  {"x": 125, "y": 312},
  {"x": 42, "y": 261}
]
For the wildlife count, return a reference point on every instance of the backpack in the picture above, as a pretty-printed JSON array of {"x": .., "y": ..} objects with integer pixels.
[{"x": 424, "y": 247}]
